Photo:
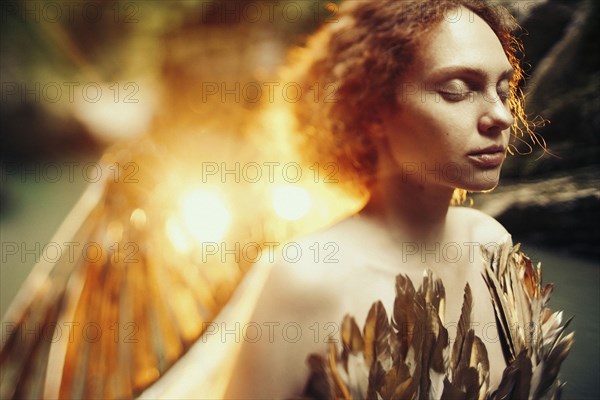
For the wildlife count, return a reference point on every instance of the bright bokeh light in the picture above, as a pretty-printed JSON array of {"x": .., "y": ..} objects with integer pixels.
[
  {"x": 205, "y": 215},
  {"x": 178, "y": 236},
  {"x": 117, "y": 110},
  {"x": 291, "y": 202}
]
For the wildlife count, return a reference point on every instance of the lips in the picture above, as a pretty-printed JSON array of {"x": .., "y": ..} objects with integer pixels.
[{"x": 489, "y": 157}]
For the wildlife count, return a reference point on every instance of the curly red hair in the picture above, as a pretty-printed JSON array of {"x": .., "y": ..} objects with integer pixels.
[{"x": 362, "y": 57}]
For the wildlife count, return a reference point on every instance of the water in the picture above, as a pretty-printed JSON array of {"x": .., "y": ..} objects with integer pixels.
[{"x": 577, "y": 292}]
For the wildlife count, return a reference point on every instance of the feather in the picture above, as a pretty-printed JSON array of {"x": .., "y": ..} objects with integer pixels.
[
  {"x": 404, "y": 390},
  {"x": 516, "y": 379},
  {"x": 404, "y": 315},
  {"x": 480, "y": 361},
  {"x": 439, "y": 357},
  {"x": 387, "y": 388},
  {"x": 319, "y": 384},
  {"x": 535, "y": 334},
  {"x": 452, "y": 392},
  {"x": 377, "y": 377},
  {"x": 411, "y": 357},
  {"x": 419, "y": 344},
  {"x": 464, "y": 324},
  {"x": 351, "y": 337},
  {"x": 433, "y": 337},
  {"x": 358, "y": 373},
  {"x": 467, "y": 381},
  {"x": 553, "y": 363},
  {"x": 376, "y": 335},
  {"x": 500, "y": 305},
  {"x": 339, "y": 387}
]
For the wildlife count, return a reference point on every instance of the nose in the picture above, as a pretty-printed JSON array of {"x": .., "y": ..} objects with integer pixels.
[{"x": 496, "y": 117}]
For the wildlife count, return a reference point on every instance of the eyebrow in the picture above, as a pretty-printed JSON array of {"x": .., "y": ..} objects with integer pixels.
[{"x": 480, "y": 73}]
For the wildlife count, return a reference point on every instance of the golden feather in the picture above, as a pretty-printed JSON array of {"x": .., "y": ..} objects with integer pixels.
[{"x": 422, "y": 365}]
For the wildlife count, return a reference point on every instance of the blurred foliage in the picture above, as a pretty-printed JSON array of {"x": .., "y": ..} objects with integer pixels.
[{"x": 169, "y": 48}]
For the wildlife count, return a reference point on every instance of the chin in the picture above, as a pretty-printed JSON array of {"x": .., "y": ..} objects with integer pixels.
[
  {"x": 480, "y": 184},
  {"x": 477, "y": 179},
  {"x": 481, "y": 187},
  {"x": 484, "y": 181}
]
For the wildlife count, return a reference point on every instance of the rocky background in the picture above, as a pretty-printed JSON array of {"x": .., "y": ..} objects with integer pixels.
[{"x": 560, "y": 209}]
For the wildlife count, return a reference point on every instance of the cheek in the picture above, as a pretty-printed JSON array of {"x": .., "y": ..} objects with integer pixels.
[
  {"x": 407, "y": 140},
  {"x": 416, "y": 125},
  {"x": 427, "y": 132}
]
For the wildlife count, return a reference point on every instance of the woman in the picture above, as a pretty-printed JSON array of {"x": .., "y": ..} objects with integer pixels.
[{"x": 426, "y": 95}]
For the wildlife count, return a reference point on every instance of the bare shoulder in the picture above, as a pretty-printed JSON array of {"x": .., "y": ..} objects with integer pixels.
[
  {"x": 481, "y": 226},
  {"x": 297, "y": 298},
  {"x": 304, "y": 265},
  {"x": 323, "y": 264},
  {"x": 286, "y": 286}
]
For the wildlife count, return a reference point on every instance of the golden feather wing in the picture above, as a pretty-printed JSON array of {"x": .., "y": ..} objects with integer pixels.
[{"x": 108, "y": 323}]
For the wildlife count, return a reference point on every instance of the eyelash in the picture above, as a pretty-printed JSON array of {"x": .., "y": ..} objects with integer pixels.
[
  {"x": 504, "y": 96},
  {"x": 455, "y": 97}
]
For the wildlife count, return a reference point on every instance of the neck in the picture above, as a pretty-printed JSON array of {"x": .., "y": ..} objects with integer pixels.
[{"x": 409, "y": 209}]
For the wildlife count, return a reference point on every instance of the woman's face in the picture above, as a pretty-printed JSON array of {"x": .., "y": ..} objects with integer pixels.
[{"x": 451, "y": 125}]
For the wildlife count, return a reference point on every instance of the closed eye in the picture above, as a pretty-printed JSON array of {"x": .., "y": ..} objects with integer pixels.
[
  {"x": 504, "y": 96},
  {"x": 456, "y": 90},
  {"x": 454, "y": 96},
  {"x": 503, "y": 90}
]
